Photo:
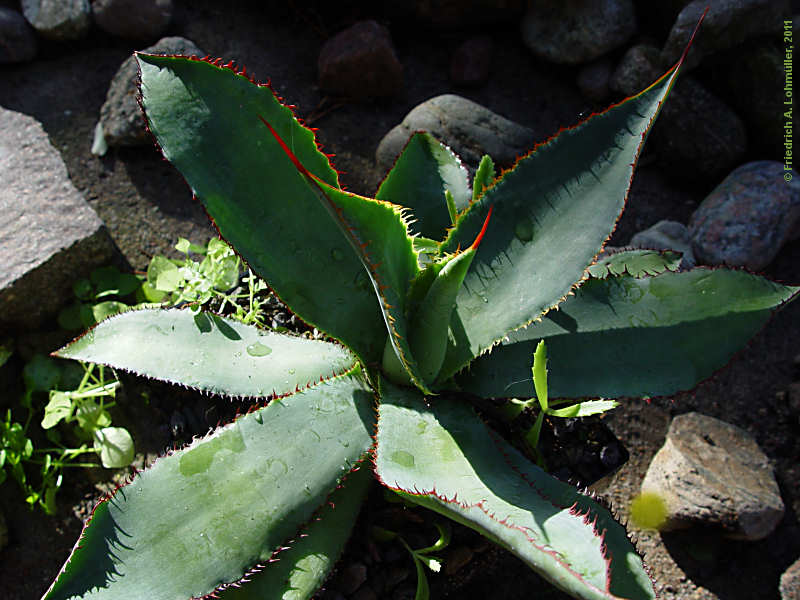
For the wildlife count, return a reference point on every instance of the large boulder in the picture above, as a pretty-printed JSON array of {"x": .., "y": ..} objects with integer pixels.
[
  {"x": 713, "y": 474},
  {"x": 748, "y": 217},
  {"x": 471, "y": 130},
  {"x": 49, "y": 235}
]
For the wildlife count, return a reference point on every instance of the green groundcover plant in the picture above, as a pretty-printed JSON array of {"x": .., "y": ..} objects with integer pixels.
[{"x": 433, "y": 291}]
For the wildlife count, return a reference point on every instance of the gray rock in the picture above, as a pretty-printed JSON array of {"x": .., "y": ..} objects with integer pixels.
[
  {"x": 120, "y": 116},
  {"x": 712, "y": 473},
  {"x": 697, "y": 135},
  {"x": 135, "y": 19},
  {"x": 58, "y": 19},
  {"x": 639, "y": 67},
  {"x": 49, "y": 235},
  {"x": 746, "y": 219},
  {"x": 470, "y": 129},
  {"x": 17, "y": 40},
  {"x": 790, "y": 582},
  {"x": 577, "y": 31},
  {"x": 667, "y": 235},
  {"x": 593, "y": 80},
  {"x": 727, "y": 24},
  {"x": 472, "y": 61},
  {"x": 360, "y": 62}
]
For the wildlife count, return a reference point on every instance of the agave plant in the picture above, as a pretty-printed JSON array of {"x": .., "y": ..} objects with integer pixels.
[{"x": 432, "y": 292}]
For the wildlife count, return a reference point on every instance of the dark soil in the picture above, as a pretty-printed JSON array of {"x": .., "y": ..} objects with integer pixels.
[{"x": 147, "y": 206}]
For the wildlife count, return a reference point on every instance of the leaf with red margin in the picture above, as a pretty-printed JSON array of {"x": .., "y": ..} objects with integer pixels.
[
  {"x": 205, "y": 117},
  {"x": 378, "y": 234},
  {"x": 553, "y": 212},
  {"x": 443, "y": 457},
  {"x": 210, "y": 353},
  {"x": 203, "y": 516}
]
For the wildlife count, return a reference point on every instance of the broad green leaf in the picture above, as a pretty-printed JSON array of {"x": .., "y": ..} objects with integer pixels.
[
  {"x": 115, "y": 447},
  {"x": 418, "y": 180},
  {"x": 441, "y": 456},
  {"x": 208, "y": 352},
  {"x": 584, "y": 409},
  {"x": 58, "y": 407},
  {"x": 303, "y": 567},
  {"x": 552, "y": 213},
  {"x": 203, "y": 516},
  {"x": 206, "y": 119},
  {"x": 163, "y": 274},
  {"x": 623, "y": 336}
]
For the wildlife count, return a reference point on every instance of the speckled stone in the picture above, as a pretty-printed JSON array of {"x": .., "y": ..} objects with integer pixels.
[
  {"x": 748, "y": 217},
  {"x": 713, "y": 474},
  {"x": 790, "y": 582},
  {"x": 49, "y": 235}
]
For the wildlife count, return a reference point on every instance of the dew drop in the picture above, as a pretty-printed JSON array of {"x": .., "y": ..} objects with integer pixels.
[
  {"x": 258, "y": 349},
  {"x": 403, "y": 458},
  {"x": 524, "y": 230}
]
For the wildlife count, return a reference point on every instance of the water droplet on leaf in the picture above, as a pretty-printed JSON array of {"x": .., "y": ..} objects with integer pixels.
[
  {"x": 258, "y": 349},
  {"x": 524, "y": 230},
  {"x": 403, "y": 458}
]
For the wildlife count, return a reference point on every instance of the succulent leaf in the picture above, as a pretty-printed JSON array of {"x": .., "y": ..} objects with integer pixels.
[
  {"x": 441, "y": 456},
  {"x": 209, "y": 352},
  {"x": 203, "y": 516},
  {"x": 626, "y": 336},
  {"x": 303, "y": 567},
  {"x": 378, "y": 235},
  {"x": 418, "y": 180},
  {"x": 206, "y": 121},
  {"x": 635, "y": 262},
  {"x": 430, "y": 322},
  {"x": 575, "y": 182}
]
